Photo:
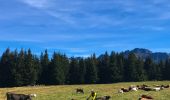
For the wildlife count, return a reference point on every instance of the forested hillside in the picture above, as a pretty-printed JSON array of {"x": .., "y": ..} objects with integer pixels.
[{"x": 23, "y": 68}]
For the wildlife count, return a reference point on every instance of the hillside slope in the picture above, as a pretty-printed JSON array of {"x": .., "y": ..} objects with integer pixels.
[{"x": 67, "y": 92}]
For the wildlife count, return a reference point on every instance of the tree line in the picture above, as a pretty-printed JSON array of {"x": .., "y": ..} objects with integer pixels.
[{"x": 24, "y": 68}]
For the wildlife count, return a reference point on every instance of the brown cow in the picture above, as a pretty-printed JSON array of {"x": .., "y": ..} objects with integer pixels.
[
  {"x": 165, "y": 86},
  {"x": 145, "y": 97},
  {"x": 125, "y": 90},
  {"x": 79, "y": 90}
]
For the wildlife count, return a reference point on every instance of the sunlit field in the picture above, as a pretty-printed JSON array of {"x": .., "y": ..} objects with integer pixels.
[{"x": 68, "y": 92}]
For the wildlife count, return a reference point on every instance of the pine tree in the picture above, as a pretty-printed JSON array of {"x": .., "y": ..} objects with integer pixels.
[
  {"x": 114, "y": 69},
  {"x": 91, "y": 70},
  {"x": 166, "y": 70},
  {"x": 19, "y": 69},
  {"x": 159, "y": 70},
  {"x": 44, "y": 69},
  {"x": 150, "y": 68},
  {"x": 30, "y": 73},
  {"x": 74, "y": 75},
  {"x": 120, "y": 64},
  {"x": 57, "y": 69},
  {"x": 103, "y": 68},
  {"x": 82, "y": 71},
  {"x": 141, "y": 74},
  {"x": 130, "y": 70},
  {"x": 6, "y": 78}
]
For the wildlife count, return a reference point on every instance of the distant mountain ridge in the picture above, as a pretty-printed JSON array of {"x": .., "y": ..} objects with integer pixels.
[{"x": 145, "y": 53}]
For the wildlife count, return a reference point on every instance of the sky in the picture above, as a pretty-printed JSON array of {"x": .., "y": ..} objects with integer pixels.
[{"x": 83, "y": 27}]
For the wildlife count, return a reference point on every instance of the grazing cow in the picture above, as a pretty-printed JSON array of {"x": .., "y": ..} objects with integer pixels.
[
  {"x": 120, "y": 91},
  {"x": 157, "y": 88},
  {"x": 79, "y": 90},
  {"x": 133, "y": 88},
  {"x": 103, "y": 98},
  {"x": 142, "y": 87},
  {"x": 124, "y": 90},
  {"x": 165, "y": 86},
  {"x": 145, "y": 97},
  {"x": 147, "y": 89},
  {"x": 33, "y": 95},
  {"x": 13, "y": 96}
]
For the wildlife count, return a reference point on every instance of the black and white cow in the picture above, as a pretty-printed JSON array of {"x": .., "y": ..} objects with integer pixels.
[{"x": 13, "y": 96}]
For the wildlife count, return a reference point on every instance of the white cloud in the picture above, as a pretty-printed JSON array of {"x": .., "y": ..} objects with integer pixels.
[
  {"x": 37, "y": 3},
  {"x": 83, "y": 14}
]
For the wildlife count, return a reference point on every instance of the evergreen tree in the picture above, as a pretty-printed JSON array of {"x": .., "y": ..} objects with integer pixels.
[
  {"x": 57, "y": 69},
  {"x": 6, "y": 78},
  {"x": 120, "y": 64},
  {"x": 82, "y": 71},
  {"x": 130, "y": 69},
  {"x": 44, "y": 69},
  {"x": 150, "y": 68},
  {"x": 159, "y": 70},
  {"x": 19, "y": 69},
  {"x": 103, "y": 68},
  {"x": 114, "y": 69},
  {"x": 166, "y": 70},
  {"x": 74, "y": 75},
  {"x": 91, "y": 70},
  {"x": 29, "y": 70},
  {"x": 141, "y": 74}
]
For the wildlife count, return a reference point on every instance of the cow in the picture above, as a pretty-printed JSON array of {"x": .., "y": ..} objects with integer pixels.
[
  {"x": 133, "y": 88},
  {"x": 79, "y": 90},
  {"x": 33, "y": 95},
  {"x": 13, "y": 96},
  {"x": 147, "y": 89},
  {"x": 165, "y": 86},
  {"x": 125, "y": 90},
  {"x": 157, "y": 88},
  {"x": 142, "y": 87},
  {"x": 120, "y": 91},
  {"x": 145, "y": 97},
  {"x": 103, "y": 98}
]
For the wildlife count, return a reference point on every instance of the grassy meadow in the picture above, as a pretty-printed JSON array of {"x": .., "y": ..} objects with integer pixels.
[{"x": 67, "y": 92}]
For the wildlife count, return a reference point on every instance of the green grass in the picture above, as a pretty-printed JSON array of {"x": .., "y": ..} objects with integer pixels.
[{"x": 67, "y": 92}]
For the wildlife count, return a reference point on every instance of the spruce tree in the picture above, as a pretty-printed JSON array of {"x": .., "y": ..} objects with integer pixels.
[
  {"x": 57, "y": 69},
  {"x": 73, "y": 75},
  {"x": 130, "y": 70},
  {"x": 150, "y": 68},
  {"x": 6, "y": 78},
  {"x": 44, "y": 68},
  {"x": 166, "y": 70},
  {"x": 82, "y": 71},
  {"x": 114, "y": 70},
  {"x": 103, "y": 68},
  {"x": 141, "y": 74}
]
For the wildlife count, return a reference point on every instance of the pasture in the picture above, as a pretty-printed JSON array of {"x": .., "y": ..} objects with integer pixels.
[{"x": 68, "y": 92}]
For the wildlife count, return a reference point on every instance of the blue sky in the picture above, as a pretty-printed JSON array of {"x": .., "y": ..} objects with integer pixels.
[{"x": 82, "y": 27}]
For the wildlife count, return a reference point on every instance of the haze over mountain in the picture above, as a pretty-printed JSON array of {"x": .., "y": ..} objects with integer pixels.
[{"x": 145, "y": 53}]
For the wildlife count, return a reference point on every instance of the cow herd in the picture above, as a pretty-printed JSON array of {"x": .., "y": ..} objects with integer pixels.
[{"x": 144, "y": 87}]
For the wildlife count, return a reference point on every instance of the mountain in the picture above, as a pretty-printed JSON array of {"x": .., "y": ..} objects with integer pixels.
[{"x": 145, "y": 53}]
